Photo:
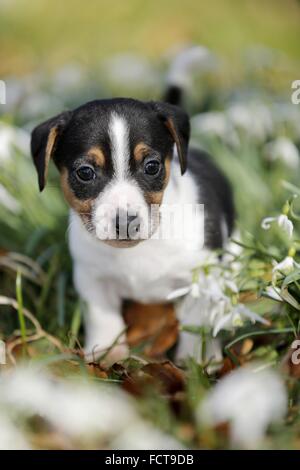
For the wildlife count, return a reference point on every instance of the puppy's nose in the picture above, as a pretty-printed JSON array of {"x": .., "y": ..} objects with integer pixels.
[{"x": 125, "y": 224}]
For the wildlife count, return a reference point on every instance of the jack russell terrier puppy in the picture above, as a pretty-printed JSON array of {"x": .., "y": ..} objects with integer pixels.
[{"x": 119, "y": 158}]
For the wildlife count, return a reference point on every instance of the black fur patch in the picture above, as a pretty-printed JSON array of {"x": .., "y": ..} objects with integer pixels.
[{"x": 216, "y": 195}]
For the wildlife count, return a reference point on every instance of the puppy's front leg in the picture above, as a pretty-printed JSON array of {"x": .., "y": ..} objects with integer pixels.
[{"x": 104, "y": 323}]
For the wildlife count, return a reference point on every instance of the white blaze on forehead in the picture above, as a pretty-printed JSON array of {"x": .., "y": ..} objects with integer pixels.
[{"x": 119, "y": 138}]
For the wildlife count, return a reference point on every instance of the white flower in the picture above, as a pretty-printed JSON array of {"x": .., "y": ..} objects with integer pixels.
[
  {"x": 236, "y": 318},
  {"x": 68, "y": 78},
  {"x": 287, "y": 116},
  {"x": 286, "y": 224},
  {"x": 10, "y": 436},
  {"x": 208, "y": 302},
  {"x": 144, "y": 436},
  {"x": 34, "y": 105},
  {"x": 194, "y": 290},
  {"x": 12, "y": 138},
  {"x": 282, "y": 149},
  {"x": 130, "y": 70},
  {"x": 187, "y": 61},
  {"x": 250, "y": 400},
  {"x": 273, "y": 293},
  {"x": 77, "y": 409},
  {"x": 175, "y": 294},
  {"x": 8, "y": 201},
  {"x": 74, "y": 409},
  {"x": 286, "y": 266},
  {"x": 282, "y": 221},
  {"x": 215, "y": 124},
  {"x": 254, "y": 119}
]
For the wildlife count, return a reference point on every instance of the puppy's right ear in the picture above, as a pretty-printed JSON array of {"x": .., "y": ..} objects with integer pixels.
[{"x": 43, "y": 142}]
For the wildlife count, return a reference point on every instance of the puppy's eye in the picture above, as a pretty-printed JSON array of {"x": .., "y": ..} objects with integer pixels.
[
  {"x": 85, "y": 173},
  {"x": 152, "y": 167}
]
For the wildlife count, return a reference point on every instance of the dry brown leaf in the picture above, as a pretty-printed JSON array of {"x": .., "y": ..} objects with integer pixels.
[
  {"x": 248, "y": 296},
  {"x": 164, "y": 376},
  {"x": 95, "y": 370},
  {"x": 228, "y": 366},
  {"x": 155, "y": 325},
  {"x": 169, "y": 376},
  {"x": 51, "y": 441}
]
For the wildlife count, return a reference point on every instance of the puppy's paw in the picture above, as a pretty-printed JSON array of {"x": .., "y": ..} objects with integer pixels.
[
  {"x": 107, "y": 357},
  {"x": 118, "y": 353}
]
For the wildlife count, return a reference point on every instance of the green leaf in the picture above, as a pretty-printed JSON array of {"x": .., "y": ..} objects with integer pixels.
[{"x": 292, "y": 277}]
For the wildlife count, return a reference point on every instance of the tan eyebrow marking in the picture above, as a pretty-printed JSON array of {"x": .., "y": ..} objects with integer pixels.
[
  {"x": 97, "y": 155},
  {"x": 140, "y": 151}
]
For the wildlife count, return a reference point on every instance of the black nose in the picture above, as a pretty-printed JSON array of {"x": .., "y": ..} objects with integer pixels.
[{"x": 126, "y": 224}]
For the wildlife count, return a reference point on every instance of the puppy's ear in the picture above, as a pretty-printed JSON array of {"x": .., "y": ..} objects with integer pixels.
[
  {"x": 43, "y": 142},
  {"x": 178, "y": 124}
]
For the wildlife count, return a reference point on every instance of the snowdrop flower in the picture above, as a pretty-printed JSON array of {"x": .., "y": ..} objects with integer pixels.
[
  {"x": 130, "y": 70},
  {"x": 250, "y": 399},
  {"x": 80, "y": 411},
  {"x": 144, "y": 436},
  {"x": 289, "y": 298},
  {"x": 73, "y": 409},
  {"x": 69, "y": 78},
  {"x": 12, "y": 138},
  {"x": 187, "y": 61},
  {"x": 286, "y": 266},
  {"x": 8, "y": 201},
  {"x": 282, "y": 221},
  {"x": 209, "y": 303},
  {"x": 236, "y": 318},
  {"x": 287, "y": 115},
  {"x": 194, "y": 290},
  {"x": 215, "y": 124},
  {"x": 282, "y": 149},
  {"x": 273, "y": 293},
  {"x": 10, "y": 436},
  {"x": 15, "y": 91},
  {"x": 254, "y": 119},
  {"x": 34, "y": 106}
]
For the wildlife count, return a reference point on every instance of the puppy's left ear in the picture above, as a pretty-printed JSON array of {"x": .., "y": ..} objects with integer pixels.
[
  {"x": 43, "y": 141},
  {"x": 178, "y": 124}
]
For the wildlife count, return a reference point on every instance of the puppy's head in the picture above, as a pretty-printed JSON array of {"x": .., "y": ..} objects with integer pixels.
[{"x": 114, "y": 161}]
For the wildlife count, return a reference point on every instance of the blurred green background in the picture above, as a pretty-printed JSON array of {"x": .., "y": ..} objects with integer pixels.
[
  {"x": 44, "y": 33},
  {"x": 56, "y": 55}
]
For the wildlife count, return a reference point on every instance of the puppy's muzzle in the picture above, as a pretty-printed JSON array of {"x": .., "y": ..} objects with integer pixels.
[{"x": 127, "y": 226}]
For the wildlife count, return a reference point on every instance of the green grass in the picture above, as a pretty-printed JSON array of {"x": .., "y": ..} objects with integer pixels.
[{"x": 48, "y": 34}]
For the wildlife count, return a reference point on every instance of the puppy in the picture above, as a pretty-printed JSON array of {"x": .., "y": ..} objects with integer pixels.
[{"x": 118, "y": 159}]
